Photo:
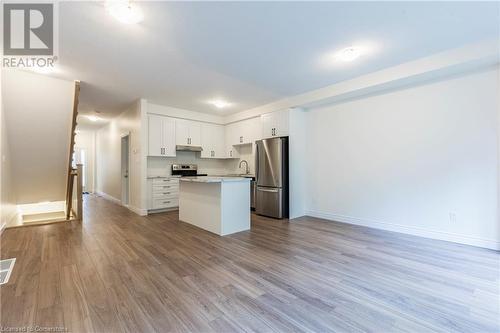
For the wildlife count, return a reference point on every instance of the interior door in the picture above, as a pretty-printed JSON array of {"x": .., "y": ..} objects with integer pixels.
[{"x": 269, "y": 163}]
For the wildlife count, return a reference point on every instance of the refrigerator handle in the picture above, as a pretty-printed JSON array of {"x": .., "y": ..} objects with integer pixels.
[{"x": 256, "y": 163}]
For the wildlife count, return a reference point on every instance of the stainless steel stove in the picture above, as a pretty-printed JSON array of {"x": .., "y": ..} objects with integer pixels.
[{"x": 186, "y": 170}]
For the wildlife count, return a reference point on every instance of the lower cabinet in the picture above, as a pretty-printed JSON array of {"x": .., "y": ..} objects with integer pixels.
[{"x": 163, "y": 193}]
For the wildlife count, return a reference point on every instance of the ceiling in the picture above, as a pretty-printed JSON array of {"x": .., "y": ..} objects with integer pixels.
[{"x": 250, "y": 53}]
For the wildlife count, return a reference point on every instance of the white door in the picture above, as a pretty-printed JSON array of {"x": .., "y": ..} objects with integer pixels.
[{"x": 125, "y": 169}]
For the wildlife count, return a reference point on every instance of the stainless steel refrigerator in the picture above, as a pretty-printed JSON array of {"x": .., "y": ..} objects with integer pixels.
[{"x": 271, "y": 160}]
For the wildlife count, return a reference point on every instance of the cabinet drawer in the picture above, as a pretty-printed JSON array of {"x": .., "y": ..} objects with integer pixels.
[
  {"x": 166, "y": 188},
  {"x": 166, "y": 195},
  {"x": 166, "y": 181},
  {"x": 165, "y": 203}
]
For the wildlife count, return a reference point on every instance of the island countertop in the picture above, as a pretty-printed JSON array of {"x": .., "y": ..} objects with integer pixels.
[{"x": 208, "y": 179}]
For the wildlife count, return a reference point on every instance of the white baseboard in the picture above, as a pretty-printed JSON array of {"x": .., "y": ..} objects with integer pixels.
[
  {"x": 109, "y": 197},
  {"x": 2, "y": 228},
  {"x": 138, "y": 211},
  {"x": 415, "y": 231}
]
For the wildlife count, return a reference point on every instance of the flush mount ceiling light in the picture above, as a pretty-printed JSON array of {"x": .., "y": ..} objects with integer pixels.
[
  {"x": 220, "y": 104},
  {"x": 348, "y": 54},
  {"x": 93, "y": 118},
  {"x": 124, "y": 11}
]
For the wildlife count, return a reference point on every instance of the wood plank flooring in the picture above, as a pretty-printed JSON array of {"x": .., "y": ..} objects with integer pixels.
[{"x": 119, "y": 272}]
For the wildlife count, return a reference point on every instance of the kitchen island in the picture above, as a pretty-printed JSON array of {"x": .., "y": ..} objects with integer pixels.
[{"x": 217, "y": 204}]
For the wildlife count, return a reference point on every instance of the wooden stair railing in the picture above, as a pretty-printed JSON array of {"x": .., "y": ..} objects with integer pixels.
[{"x": 72, "y": 172}]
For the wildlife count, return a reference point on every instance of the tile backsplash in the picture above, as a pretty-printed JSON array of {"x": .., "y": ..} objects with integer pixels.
[{"x": 161, "y": 166}]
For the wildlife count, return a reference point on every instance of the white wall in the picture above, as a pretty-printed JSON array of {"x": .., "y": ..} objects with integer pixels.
[
  {"x": 39, "y": 112},
  {"x": 407, "y": 159},
  {"x": 108, "y": 157},
  {"x": 7, "y": 195},
  {"x": 85, "y": 139}
]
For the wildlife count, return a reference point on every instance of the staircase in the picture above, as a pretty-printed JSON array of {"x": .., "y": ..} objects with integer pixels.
[{"x": 41, "y": 115}]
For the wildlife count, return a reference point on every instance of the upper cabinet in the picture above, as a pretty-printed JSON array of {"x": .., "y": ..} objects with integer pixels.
[
  {"x": 212, "y": 141},
  {"x": 187, "y": 132},
  {"x": 161, "y": 137},
  {"x": 274, "y": 124},
  {"x": 217, "y": 141},
  {"x": 244, "y": 132}
]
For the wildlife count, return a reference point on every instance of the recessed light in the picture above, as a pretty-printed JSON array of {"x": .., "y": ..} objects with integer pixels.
[
  {"x": 348, "y": 54},
  {"x": 220, "y": 104},
  {"x": 124, "y": 11},
  {"x": 93, "y": 118}
]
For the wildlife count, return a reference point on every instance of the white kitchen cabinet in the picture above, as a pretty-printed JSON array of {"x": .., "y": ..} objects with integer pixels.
[
  {"x": 161, "y": 136},
  {"x": 188, "y": 133},
  {"x": 274, "y": 124},
  {"x": 213, "y": 141},
  {"x": 231, "y": 135},
  {"x": 248, "y": 131},
  {"x": 163, "y": 193},
  {"x": 244, "y": 132}
]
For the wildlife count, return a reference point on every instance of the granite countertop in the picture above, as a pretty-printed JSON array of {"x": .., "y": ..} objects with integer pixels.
[
  {"x": 241, "y": 175},
  {"x": 212, "y": 179},
  {"x": 160, "y": 177}
]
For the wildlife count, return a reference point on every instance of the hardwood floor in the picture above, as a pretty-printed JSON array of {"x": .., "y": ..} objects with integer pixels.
[{"x": 122, "y": 272}]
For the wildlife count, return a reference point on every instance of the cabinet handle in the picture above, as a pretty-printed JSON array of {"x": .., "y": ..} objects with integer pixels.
[
  {"x": 166, "y": 201},
  {"x": 241, "y": 139},
  {"x": 231, "y": 153},
  {"x": 166, "y": 193},
  {"x": 163, "y": 151}
]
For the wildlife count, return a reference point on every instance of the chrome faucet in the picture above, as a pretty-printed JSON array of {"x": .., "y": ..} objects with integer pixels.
[{"x": 247, "y": 171}]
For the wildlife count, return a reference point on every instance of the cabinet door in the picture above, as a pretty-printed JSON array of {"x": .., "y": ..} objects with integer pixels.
[
  {"x": 207, "y": 135},
  {"x": 168, "y": 137},
  {"x": 219, "y": 145},
  {"x": 155, "y": 147},
  {"x": 281, "y": 123},
  {"x": 182, "y": 132},
  {"x": 267, "y": 121},
  {"x": 194, "y": 133},
  {"x": 252, "y": 130}
]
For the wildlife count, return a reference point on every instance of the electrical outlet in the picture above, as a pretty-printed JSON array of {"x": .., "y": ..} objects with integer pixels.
[{"x": 453, "y": 217}]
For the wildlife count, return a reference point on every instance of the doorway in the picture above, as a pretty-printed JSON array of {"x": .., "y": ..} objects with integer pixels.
[
  {"x": 80, "y": 157},
  {"x": 125, "y": 142}
]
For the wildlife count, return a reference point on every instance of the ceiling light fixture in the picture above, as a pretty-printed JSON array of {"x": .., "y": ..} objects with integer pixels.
[
  {"x": 348, "y": 54},
  {"x": 220, "y": 104},
  {"x": 124, "y": 11},
  {"x": 93, "y": 118}
]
